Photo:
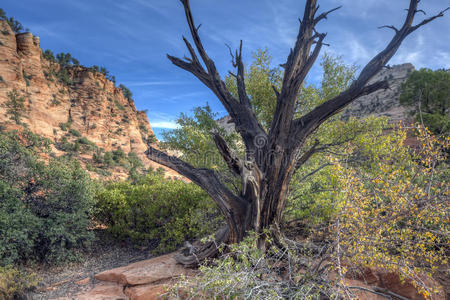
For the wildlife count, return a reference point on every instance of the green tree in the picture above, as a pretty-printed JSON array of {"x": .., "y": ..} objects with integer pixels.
[
  {"x": 126, "y": 91},
  {"x": 260, "y": 79},
  {"x": 193, "y": 138},
  {"x": 48, "y": 55},
  {"x": 45, "y": 208},
  {"x": 64, "y": 59},
  {"x": 2, "y": 14},
  {"x": 15, "y": 106},
  {"x": 15, "y": 25},
  {"x": 428, "y": 93}
]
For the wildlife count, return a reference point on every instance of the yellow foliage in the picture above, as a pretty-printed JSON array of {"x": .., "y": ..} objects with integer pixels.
[
  {"x": 397, "y": 217},
  {"x": 14, "y": 282}
]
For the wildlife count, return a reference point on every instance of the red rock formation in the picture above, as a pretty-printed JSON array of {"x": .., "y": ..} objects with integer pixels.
[
  {"x": 95, "y": 107},
  {"x": 144, "y": 280}
]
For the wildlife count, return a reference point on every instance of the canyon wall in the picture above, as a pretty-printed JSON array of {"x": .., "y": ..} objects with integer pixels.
[{"x": 83, "y": 101}]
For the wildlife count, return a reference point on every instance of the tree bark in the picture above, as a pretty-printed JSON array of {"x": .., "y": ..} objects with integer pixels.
[{"x": 271, "y": 157}]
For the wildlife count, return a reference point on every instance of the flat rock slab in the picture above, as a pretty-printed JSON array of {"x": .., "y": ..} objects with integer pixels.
[{"x": 153, "y": 270}]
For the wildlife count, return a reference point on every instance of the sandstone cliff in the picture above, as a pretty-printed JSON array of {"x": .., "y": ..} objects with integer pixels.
[
  {"x": 383, "y": 102},
  {"x": 84, "y": 103}
]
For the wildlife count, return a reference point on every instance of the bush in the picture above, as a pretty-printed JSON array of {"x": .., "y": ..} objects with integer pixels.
[
  {"x": 156, "y": 209},
  {"x": 395, "y": 215},
  {"x": 65, "y": 126},
  {"x": 15, "y": 107},
  {"x": 74, "y": 132},
  {"x": 119, "y": 106},
  {"x": 45, "y": 209},
  {"x": 243, "y": 271},
  {"x": 14, "y": 283}
]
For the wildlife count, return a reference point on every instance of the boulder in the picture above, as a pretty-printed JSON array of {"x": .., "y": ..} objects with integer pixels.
[{"x": 153, "y": 270}]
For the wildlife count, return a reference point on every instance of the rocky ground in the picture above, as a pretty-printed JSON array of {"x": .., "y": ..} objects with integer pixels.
[
  {"x": 112, "y": 271},
  {"x": 71, "y": 279}
]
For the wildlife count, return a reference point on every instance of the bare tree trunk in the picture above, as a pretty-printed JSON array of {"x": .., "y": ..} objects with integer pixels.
[{"x": 271, "y": 157}]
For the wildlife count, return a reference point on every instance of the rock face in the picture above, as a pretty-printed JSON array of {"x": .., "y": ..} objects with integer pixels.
[
  {"x": 144, "y": 280},
  {"x": 85, "y": 99},
  {"x": 383, "y": 102}
]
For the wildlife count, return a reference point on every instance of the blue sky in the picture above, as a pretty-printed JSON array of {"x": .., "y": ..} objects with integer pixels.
[{"x": 131, "y": 38}]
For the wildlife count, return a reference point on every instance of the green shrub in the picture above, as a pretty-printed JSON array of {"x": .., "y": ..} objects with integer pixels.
[
  {"x": 55, "y": 101},
  {"x": 65, "y": 145},
  {"x": 65, "y": 126},
  {"x": 74, "y": 132},
  {"x": 27, "y": 77},
  {"x": 15, "y": 106},
  {"x": 17, "y": 226},
  {"x": 14, "y": 283},
  {"x": 64, "y": 77},
  {"x": 156, "y": 209},
  {"x": 45, "y": 209},
  {"x": 242, "y": 271},
  {"x": 119, "y": 106}
]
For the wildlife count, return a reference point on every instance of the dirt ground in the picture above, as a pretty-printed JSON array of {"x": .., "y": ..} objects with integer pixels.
[{"x": 105, "y": 254}]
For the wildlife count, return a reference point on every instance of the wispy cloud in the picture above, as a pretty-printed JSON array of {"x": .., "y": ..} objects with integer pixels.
[
  {"x": 162, "y": 120},
  {"x": 164, "y": 124}
]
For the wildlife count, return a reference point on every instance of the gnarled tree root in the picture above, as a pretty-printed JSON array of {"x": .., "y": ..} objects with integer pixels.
[{"x": 192, "y": 255}]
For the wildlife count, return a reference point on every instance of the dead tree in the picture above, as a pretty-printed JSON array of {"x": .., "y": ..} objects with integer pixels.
[{"x": 271, "y": 156}]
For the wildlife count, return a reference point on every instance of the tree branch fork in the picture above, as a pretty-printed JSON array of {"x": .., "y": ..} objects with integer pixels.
[{"x": 272, "y": 155}]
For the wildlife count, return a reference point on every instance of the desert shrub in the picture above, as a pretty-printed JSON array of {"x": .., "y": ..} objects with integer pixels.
[
  {"x": 27, "y": 78},
  {"x": 15, "y": 106},
  {"x": 45, "y": 208},
  {"x": 85, "y": 141},
  {"x": 242, "y": 271},
  {"x": 395, "y": 215},
  {"x": 14, "y": 283},
  {"x": 119, "y": 106},
  {"x": 65, "y": 145},
  {"x": 64, "y": 77},
  {"x": 74, "y": 132},
  {"x": 156, "y": 209},
  {"x": 358, "y": 143},
  {"x": 65, "y": 126},
  {"x": 17, "y": 226},
  {"x": 55, "y": 101}
]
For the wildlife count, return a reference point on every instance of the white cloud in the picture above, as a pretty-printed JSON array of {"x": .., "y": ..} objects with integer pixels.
[
  {"x": 162, "y": 120},
  {"x": 164, "y": 124}
]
